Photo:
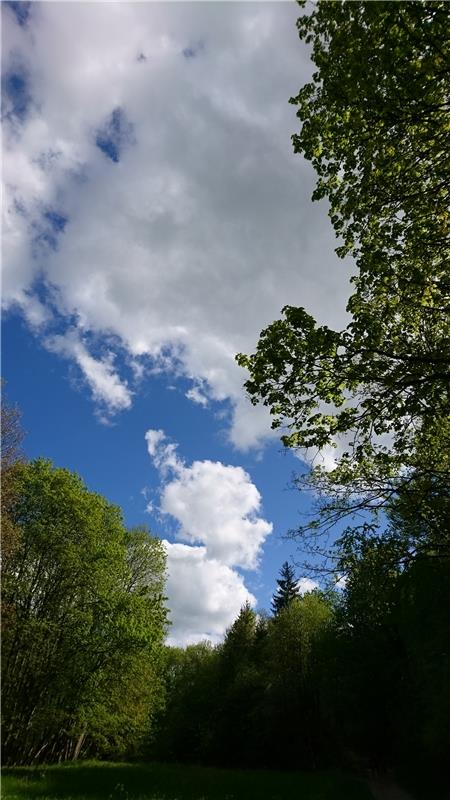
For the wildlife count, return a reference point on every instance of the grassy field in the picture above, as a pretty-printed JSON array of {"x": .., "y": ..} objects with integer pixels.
[{"x": 101, "y": 781}]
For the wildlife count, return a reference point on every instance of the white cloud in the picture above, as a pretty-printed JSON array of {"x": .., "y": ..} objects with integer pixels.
[
  {"x": 204, "y": 229},
  {"x": 163, "y": 453},
  {"x": 196, "y": 395},
  {"x": 216, "y": 506},
  {"x": 306, "y": 585},
  {"x": 205, "y": 596},
  {"x": 250, "y": 424},
  {"x": 106, "y": 386}
]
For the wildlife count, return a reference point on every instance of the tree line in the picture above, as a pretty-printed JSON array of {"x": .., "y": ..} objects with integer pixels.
[{"x": 355, "y": 677}]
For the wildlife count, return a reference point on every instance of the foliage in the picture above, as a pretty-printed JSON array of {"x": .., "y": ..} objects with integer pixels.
[
  {"x": 241, "y": 730},
  {"x": 12, "y": 435},
  {"x": 287, "y": 588},
  {"x": 358, "y": 677},
  {"x": 378, "y": 139},
  {"x": 11, "y": 458},
  {"x": 293, "y": 679},
  {"x": 224, "y": 703},
  {"x": 188, "y": 715},
  {"x": 87, "y": 615}
]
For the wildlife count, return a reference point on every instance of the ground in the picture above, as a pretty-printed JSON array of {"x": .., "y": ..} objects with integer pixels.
[{"x": 96, "y": 781}]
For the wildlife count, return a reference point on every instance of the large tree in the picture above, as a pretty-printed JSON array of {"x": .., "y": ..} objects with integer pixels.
[
  {"x": 375, "y": 125},
  {"x": 86, "y": 615}
]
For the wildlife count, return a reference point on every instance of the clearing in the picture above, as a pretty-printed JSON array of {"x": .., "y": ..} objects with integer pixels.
[{"x": 106, "y": 781}]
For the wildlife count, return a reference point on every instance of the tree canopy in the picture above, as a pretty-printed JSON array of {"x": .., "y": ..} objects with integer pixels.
[
  {"x": 377, "y": 137},
  {"x": 86, "y": 609}
]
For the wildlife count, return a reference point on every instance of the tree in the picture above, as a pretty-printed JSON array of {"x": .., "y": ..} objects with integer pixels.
[
  {"x": 387, "y": 658},
  {"x": 378, "y": 139},
  {"x": 117, "y": 719},
  {"x": 287, "y": 588},
  {"x": 11, "y": 459},
  {"x": 87, "y": 614},
  {"x": 292, "y": 703},
  {"x": 239, "y": 637},
  {"x": 241, "y": 689},
  {"x": 186, "y": 727},
  {"x": 12, "y": 435}
]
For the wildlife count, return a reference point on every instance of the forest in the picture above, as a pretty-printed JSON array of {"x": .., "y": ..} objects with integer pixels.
[{"x": 352, "y": 676}]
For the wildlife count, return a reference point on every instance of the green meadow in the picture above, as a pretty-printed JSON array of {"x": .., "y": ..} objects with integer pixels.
[{"x": 100, "y": 781}]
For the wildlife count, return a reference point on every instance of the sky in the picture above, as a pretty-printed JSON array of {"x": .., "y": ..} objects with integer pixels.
[{"x": 155, "y": 220}]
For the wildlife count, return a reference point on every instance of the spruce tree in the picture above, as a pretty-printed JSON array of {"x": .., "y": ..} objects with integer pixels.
[{"x": 287, "y": 588}]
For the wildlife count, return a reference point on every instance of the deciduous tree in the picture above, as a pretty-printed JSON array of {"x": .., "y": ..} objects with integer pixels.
[
  {"x": 87, "y": 610},
  {"x": 375, "y": 125}
]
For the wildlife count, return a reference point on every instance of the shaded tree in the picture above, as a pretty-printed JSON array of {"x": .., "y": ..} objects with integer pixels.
[
  {"x": 287, "y": 588},
  {"x": 186, "y": 724},
  {"x": 292, "y": 701}
]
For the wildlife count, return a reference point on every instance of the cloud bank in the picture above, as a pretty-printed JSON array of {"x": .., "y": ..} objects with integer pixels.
[{"x": 151, "y": 196}]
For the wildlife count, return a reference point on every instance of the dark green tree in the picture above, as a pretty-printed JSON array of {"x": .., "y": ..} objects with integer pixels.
[
  {"x": 240, "y": 679},
  {"x": 375, "y": 124},
  {"x": 186, "y": 725},
  {"x": 287, "y": 588},
  {"x": 292, "y": 703}
]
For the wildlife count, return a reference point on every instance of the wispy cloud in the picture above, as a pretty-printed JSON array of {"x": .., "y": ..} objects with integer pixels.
[{"x": 107, "y": 388}]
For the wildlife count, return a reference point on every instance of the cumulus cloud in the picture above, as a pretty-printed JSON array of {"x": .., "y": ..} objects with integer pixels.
[
  {"x": 217, "y": 505},
  {"x": 205, "y": 596},
  {"x": 217, "y": 511},
  {"x": 160, "y": 135},
  {"x": 214, "y": 504},
  {"x": 306, "y": 585}
]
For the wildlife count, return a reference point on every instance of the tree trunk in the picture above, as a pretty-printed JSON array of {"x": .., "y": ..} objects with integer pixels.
[{"x": 78, "y": 746}]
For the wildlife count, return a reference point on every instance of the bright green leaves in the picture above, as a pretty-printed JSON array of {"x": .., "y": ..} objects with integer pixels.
[
  {"x": 86, "y": 612},
  {"x": 376, "y": 113},
  {"x": 375, "y": 123}
]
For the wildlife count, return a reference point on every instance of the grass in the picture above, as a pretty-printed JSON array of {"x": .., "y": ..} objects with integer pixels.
[{"x": 105, "y": 781}]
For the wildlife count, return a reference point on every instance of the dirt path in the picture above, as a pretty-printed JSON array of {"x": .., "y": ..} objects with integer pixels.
[{"x": 386, "y": 789}]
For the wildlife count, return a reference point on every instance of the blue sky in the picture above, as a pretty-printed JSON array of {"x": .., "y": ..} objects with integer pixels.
[{"x": 155, "y": 220}]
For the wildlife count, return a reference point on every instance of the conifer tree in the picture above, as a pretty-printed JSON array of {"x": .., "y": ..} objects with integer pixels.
[{"x": 287, "y": 588}]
